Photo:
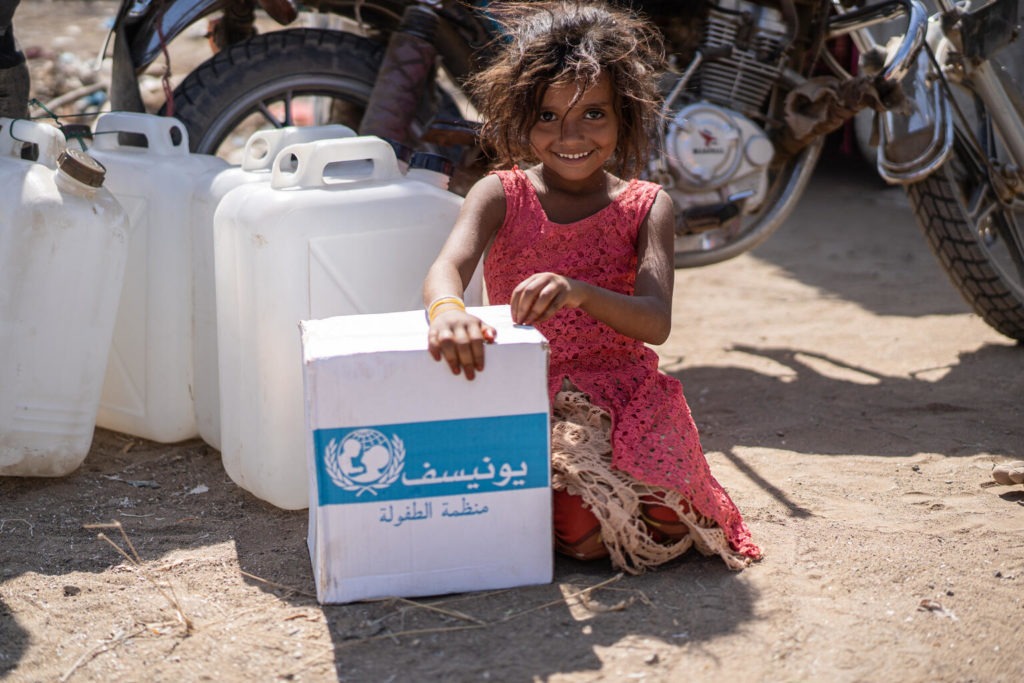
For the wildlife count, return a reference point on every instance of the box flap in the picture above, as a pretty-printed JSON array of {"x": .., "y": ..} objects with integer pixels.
[{"x": 403, "y": 331}]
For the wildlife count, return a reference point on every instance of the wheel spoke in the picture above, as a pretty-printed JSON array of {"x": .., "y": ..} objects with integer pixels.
[
  {"x": 321, "y": 107},
  {"x": 1011, "y": 230},
  {"x": 269, "y": 116},
  {"x": 980, "y": 206},
  {"x": 289, "y": 115}
]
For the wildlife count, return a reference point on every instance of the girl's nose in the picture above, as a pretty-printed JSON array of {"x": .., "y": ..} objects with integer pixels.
[{"x": 571, "y": 128}]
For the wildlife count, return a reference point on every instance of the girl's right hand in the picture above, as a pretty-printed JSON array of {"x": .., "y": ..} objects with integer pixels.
[{"x": 459, "y": 338}]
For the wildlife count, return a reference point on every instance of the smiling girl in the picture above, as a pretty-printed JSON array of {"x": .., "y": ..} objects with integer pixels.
[{"x": 581, "y": 249}]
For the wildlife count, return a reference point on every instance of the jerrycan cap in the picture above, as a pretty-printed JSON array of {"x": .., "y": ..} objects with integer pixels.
[
  {"x": 402, "y": 152},
  {"x": 432, "y": 162},
  {"x": 82, "y": 167}
]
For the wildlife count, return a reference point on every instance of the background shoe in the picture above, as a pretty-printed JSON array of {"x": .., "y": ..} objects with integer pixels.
[
  {"x": 1009, "y": 473},
  {"x": 14, "y": 84}
]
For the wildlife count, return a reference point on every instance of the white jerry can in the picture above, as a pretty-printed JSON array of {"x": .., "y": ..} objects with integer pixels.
[
  {"x": 148, "y": 389},
  {"x": 63, "y": 245},
  {"x": 343, "y": 233},
  {"x": 259, "y": 154}
]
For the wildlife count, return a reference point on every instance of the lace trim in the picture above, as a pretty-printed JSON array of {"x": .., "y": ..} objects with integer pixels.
[{"x": 581, "y": 464}]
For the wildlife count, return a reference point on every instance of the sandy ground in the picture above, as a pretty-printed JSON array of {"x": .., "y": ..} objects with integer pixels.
[{"x": 847, "y": 399}]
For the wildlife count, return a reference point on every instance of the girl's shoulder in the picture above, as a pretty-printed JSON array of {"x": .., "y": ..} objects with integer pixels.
[
  {"x": 639, "y": 196},
  {"x": 514, "y": 184},
  {"x": 512, "y": 180},
  {"x": 643, "y": 188}
]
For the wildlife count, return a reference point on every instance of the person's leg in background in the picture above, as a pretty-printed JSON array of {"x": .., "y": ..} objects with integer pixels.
[{"x": 14, "y": 78}]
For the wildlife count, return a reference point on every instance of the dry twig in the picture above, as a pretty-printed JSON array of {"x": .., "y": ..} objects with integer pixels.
[
  {"x": 565, "y": 599},
  {"x": 275, "y": 584},
  {"x": 136, "y": 562},
  {"x": 440, "y": 610},
  {"x": 104, "y": 646}
]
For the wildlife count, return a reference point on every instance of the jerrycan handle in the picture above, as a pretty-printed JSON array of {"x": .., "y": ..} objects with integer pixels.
[
  {"x": 311, "y": 159},
  {"x": 14, "y": 133},
  {"x": 263, "y": 146},
  {"x": 165, "y": 135}
]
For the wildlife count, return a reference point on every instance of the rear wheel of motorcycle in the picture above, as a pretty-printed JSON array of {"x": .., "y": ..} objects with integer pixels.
[
  {"x": 282, "y": 78},
  {"x": 978, "y": 240}
]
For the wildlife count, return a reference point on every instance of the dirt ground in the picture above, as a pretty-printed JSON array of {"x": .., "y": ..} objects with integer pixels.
[{"x": 847, "y": 399}]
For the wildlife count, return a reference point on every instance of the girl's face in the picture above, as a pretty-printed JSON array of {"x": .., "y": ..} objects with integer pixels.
[{"x": 574, "y": 143}]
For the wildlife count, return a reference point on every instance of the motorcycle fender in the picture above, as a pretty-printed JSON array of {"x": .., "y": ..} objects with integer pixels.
[
  {"x": 913, "y": 145},
  {"x": 159, "y": 23}
]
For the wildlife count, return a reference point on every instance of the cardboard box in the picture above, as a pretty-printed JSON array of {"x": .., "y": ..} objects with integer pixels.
[{"x": 421, "y": 482}]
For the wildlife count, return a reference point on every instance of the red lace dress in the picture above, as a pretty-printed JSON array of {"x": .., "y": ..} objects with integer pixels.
[{"x": 653, "y": 437}]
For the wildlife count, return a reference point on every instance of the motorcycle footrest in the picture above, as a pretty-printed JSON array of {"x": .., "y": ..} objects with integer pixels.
[{"x": 698, "y": 219}]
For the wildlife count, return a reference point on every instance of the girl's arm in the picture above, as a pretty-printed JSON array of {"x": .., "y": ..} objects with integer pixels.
[
  {"x": 647, "y": 315},
  {"x": 454, "y": 335}
]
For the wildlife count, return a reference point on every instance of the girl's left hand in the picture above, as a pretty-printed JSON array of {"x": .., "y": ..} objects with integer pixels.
[{"x": 541, "y": 295}]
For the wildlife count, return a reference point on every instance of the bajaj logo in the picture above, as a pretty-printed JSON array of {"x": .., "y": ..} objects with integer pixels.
[
  {"x": 710, "y": 143},
  {"x": 364, "y": 461}
]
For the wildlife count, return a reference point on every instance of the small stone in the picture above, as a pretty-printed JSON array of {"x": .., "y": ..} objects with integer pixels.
[
  {"x": 916, "y": 468},
  {"x": 652, "y": 658},
  {"x": 71, "y": 591}
]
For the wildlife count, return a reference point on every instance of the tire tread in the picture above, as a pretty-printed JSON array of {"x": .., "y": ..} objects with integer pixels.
[{"x": 940, "y": 217}]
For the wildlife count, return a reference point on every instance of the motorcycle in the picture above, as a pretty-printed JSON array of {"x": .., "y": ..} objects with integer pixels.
[{"x": 752, "y": 91}]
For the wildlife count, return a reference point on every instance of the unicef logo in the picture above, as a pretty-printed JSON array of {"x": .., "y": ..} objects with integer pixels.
[{"x": 364, "y": 461}]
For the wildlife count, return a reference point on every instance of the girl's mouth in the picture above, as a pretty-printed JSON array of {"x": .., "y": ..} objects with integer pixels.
[{"x": 572, "y": 157}]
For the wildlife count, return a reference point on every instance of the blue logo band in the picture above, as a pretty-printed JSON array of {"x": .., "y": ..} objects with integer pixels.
[{"x": 429, "y": 459}]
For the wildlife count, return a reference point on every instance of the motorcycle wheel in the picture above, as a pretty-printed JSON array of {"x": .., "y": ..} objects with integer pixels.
[
  {"x": 978, "y": 240},
  {"x": 281, "y": 78}
]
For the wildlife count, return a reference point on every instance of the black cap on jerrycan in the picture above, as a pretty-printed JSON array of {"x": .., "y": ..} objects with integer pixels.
[{"x": 81, "y": 167}]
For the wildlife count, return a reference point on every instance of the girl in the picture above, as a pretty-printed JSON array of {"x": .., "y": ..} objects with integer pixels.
[{"x": 586, "y": 256}]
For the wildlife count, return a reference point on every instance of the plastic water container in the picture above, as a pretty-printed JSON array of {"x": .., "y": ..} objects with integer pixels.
[
  {"x": 147, "y": 390},
  {"x": 63, "y": 245},
  {"x": 260, "y": 152},
  {"x": 312, "y": 244}
]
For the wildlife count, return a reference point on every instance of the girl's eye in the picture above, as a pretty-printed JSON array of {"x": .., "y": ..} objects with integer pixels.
[
  {"x": 547, "y": 116},
  {"x": 594, "y": 114}
]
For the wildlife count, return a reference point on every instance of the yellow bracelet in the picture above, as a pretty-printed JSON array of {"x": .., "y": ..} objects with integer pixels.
[{"x": 441, "y": 301}]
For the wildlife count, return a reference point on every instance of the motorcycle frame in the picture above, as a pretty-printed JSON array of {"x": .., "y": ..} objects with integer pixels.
[
  {"x": 981, "y": 78},
  {"x": 144, "y": 27},
  {"x": 147, "y": 26},
  {"x": 932, "y": 106}
]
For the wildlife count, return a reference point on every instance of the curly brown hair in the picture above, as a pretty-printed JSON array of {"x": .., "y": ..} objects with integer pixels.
[{"x": 569, "y": 42}]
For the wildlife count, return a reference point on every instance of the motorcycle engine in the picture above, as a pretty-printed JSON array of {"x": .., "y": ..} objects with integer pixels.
[{"x": 715, "y": 155}]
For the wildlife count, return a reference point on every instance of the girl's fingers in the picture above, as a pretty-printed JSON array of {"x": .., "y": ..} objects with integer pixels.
[
  {"x": 552, "y": 306},
  {"x": 524, "y": 299},
  {"x": 538, "y": 297},
  {"x": 460, "y": 344},
  {"x": 464, "y": 352},
  {"x": 446, "y": 350}
]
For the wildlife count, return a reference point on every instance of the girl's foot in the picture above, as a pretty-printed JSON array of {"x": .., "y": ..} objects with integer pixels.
[
  {"x": 663, "y": 523},
  {"x": 577, "y": 531}
]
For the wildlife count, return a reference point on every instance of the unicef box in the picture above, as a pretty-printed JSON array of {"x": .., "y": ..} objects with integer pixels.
[{"x": 423, "y": 483}]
